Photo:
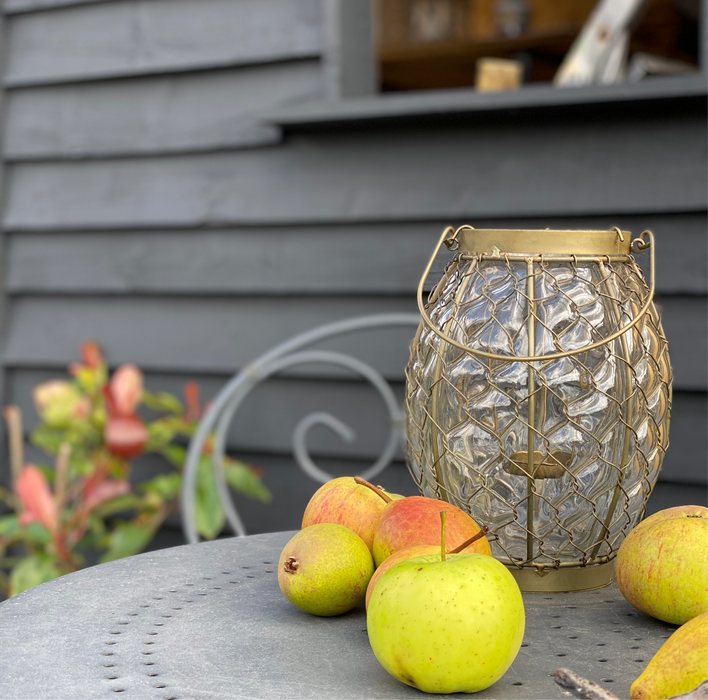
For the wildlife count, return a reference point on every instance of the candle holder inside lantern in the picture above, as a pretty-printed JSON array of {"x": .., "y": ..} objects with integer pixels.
[{"x": 538, "y": 395}]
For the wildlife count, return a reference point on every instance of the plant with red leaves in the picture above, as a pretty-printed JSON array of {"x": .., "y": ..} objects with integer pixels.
[{"x": 86, "y": 505}]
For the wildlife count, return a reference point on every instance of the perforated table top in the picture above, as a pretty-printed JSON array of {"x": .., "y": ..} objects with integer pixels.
[{"x": 209, "y": 621}]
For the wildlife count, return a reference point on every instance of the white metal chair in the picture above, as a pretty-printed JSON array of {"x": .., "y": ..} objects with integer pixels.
[{"x": 284, "y": 356}]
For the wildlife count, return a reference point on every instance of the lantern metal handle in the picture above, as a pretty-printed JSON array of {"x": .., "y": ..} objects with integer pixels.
[{"x": 638, "y": 245}]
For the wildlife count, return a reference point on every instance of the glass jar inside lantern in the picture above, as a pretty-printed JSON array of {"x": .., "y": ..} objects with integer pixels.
[{"x": 538, "y": 396}]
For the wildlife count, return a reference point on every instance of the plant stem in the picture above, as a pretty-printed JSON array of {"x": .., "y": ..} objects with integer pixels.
[
  {"x": 61, "y": 475},
  {"x": 13, "y": 417},
  {"x": 471, "y": 540},
  {"x": 700, "y": 692},
  {"x": 375, "y": 489},
  {"x": 581, "y": 687},
  {"x": 443, "y": 517}
]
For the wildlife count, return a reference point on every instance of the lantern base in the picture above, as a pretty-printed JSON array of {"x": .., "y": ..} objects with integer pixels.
[{"x": 565, "y": 580}]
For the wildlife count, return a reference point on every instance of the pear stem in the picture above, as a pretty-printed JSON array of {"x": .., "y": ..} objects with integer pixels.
[
  {"x": 443, "y": 517},
  {"x": 375, "y": 489},
  {"x": 484, "y": 531}
]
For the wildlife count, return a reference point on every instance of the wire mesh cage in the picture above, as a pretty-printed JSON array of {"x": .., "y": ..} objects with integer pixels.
[{"x": 539, "y": 394}]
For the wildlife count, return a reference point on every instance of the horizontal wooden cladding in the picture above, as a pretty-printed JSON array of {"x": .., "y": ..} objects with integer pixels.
[
  {"x": 213, "y": 335},
  {"x": 157, "y": 114},
  {"x": 685, "y": 323},
  {"x": 374, "y": 258},
  {"x": 222, "y": 335},
  {"x": 406, "y": 174},
  {"x": 134, "y": 37},
  {"x": 268, "y": 417},
  {"x": 14, "y": 6},
  {"x": 216, "y": 334},
  {"x": 264, "y": 424},
  {"x": 686, "y": 457},
  {"x": 357, "y": 259}
]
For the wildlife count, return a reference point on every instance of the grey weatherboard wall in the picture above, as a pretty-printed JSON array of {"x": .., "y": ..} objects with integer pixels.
[{"x": 192, "y": 181}]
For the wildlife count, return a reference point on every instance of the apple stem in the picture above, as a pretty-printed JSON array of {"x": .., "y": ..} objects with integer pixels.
[
  {"x": 484, "y": 531},
  {"x": 443, "y": 517},
  {"x": 375, "y": 489}
]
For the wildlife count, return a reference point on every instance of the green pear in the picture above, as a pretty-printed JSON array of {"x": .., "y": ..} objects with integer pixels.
[
  {"x": 679, "y": 666},
  {"x": 325, "y": 569},
  {"x": 662, "y": 566},
  {"x": 446, "y": 623}
]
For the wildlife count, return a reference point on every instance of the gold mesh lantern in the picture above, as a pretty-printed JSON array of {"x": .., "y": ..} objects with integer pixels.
[{"x": 538, "y": 396}]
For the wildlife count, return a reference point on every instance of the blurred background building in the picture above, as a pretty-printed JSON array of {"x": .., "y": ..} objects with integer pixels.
[{"x": 190, "y": 182}]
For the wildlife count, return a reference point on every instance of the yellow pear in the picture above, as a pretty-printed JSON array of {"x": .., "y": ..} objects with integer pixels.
[{"x": 679, "y": 666}]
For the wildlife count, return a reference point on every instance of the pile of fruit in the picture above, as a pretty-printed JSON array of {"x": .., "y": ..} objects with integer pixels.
[
  {"x": 662, "y": 570},
  {"x": 440, "y": 621},
  {"x": 444, "y": 616}
]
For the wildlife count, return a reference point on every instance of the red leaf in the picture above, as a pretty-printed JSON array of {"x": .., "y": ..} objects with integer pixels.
[
  {"x": 125, "y": 436},
  {"x": 91, "y": 354},
  {"x": 126, "y": 389},
  {"x": 34, "y": 494},
  {"x": 110, "y": 403},
  {"x": 103, "y": 492},
  {"x": 95, "y": 480},
  {"x": 191, "y": 396}
]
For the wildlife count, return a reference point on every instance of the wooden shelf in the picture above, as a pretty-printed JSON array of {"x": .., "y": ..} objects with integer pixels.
[
  {"x": 472, "y": 49},
  {"x": 452, "y": 64}
]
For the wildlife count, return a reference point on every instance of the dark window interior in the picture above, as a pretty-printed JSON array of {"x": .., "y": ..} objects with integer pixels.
[{"x": 435, "y": 44}]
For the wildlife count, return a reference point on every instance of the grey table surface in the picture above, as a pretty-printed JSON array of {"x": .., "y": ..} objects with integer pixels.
[{"x": 208, "y": 621}]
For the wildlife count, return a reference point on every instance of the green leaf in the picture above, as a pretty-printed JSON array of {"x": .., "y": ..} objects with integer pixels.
[
  {"x": 48, "y": 439},
  {"x": 127, "y": 539},
  {"x": 128, "y": 501},
  {"x": 244, "y": 479},
  {"x": 160, "y": 433},
  {"x": 166, "y": 486},
  {"x": 47, "y": 471},
  {"x": 37, "y": 534},
  {"x": 162, "y": 401},
  {"x": 9, "y": 526},
  {"x": 176, "y": 454},
  {"x": 209, "y": 514},
  {"x": 81, "y": 465},
  {"x": 30, "y": 572}
]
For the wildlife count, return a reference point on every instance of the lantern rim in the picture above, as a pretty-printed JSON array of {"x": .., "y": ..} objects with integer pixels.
[{"x": 543, "y": 241}]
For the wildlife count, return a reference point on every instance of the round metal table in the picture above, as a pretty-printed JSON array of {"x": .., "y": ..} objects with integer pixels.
[{"x": 209, "y": 621}]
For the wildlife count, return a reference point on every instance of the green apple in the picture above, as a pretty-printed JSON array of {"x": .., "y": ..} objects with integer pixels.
[
  {"x": 325, "y": 569},
  {"x": 446, "y": 624},
  {"x": 477, "y": 544},
  {"x": 662, "y": 566}
]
